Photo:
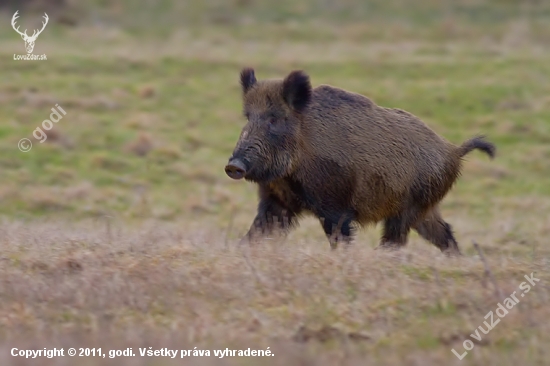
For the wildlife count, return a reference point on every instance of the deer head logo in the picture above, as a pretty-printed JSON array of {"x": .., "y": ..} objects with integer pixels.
[{"x": 29, "y": 41}]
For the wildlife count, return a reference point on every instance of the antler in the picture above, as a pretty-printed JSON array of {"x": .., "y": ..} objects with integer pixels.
[
  {"x": 34, "y": 35},
  {"x": 15, "y": 16}
]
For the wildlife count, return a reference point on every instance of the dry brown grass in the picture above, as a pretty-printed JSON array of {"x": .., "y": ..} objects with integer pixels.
[{"x": 105, "y": 284}]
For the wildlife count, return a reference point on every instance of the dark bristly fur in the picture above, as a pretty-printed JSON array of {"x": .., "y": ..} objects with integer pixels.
[{"x": 348, "y": 161}]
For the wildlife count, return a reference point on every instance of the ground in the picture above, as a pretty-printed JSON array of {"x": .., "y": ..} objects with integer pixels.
[{"x": 120, "y": 230}]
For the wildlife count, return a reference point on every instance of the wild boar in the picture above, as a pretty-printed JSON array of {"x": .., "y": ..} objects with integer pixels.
[{"x": 341, "y": 157}]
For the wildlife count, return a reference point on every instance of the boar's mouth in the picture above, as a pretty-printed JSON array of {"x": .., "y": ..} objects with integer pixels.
[{"x": 235, "y": 169}]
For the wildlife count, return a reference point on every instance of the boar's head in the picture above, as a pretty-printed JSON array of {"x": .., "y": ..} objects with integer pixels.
[{"x": 269, "y": 145}]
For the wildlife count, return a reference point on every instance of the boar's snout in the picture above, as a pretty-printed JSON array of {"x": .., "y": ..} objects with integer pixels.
[{"x": 235, "y": 169}]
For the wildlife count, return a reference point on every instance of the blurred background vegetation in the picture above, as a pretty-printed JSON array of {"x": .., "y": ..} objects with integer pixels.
[{"x": 153, "y": 101}]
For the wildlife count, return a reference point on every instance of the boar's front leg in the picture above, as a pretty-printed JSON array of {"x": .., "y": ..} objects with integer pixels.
[
  {"x": 338, "y": 229},
  {"x": 273, "y": 218}
]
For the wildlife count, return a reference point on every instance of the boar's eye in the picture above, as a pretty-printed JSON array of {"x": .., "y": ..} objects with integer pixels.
[{"x": 276, "y": 125}]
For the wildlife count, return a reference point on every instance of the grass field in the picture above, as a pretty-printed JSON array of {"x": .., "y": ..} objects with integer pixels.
[{"x": 120, "y": 230}]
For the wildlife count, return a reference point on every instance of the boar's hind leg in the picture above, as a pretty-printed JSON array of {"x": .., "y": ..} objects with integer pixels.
[
  {"x": 272, "y": 218},
  {"x": 337, "y": 230},
  {"x": 433, "y": 228}
]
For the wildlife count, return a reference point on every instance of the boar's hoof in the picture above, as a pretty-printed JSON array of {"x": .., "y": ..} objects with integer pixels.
[{"x": 452, "y": 252}]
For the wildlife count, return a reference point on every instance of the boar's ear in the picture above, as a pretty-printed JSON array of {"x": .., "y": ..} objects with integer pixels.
[
  {"x": 248, "y": 79},
  {"x": 297, "y": 90}
]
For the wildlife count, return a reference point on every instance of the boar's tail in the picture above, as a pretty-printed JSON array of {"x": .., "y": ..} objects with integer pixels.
[{"x": 479, "y": 143}]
